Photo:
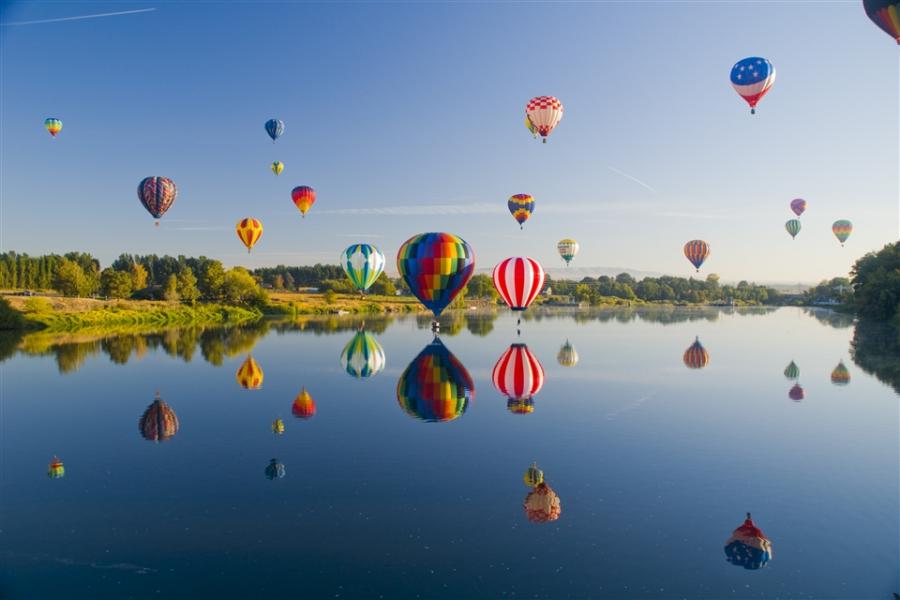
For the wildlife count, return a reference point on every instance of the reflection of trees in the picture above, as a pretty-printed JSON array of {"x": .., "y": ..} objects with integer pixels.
[
  {"x": 118, "y": 348},
  {"x": 826, "y": 316},
  {"x": 216, "y": 344},
  {"x": 9, "y": 340},
  {"x": 70, "y": 357},
  {"x": 663, "y": 314},
  {"x": 875, "y": 348},
  {"x": 329, "y": 325},
  {"x": 481, "y": 324}
]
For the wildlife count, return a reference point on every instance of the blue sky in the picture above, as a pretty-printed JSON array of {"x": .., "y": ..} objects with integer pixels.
[{"x": 407, "y": 117}]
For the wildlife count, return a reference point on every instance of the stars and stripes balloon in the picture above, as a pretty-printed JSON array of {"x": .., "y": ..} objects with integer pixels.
[
  {"x": 696, "y": 251},
  {"x": 363, "y": 356},
  {"x": 792, "y": 227},
  {"x": 363, "y": 264},
  {"x": 519, "y": 280},
  {"x": 249, "y": 376},
  {"x": 885, "y": 14},
  {"x": 157, "y": 194},
  {"x": 798, "y": 205},
  {"x": 696, "y": 356},
  {"x": 435, "y": 266},
  {"x": 159, "y": 422},
  {"x": 748, "y": 547},
  {"x": 277, "y": 167},
  {"x": 840, "y": 375},
  {"x": 520, "y": 207},
  {"x": 435, "y": 386},
  {"x": 249, "y": 231},
  {"x": 304, "y": 197},
  {"x": 304, "y": 407},
  {"x": 842, "y": 230},
  {"x": 545, "y": 113},
  {"x": 274, "y": 127},
  {"x": 567, "y": 249},
  {"x": 52, "y": 125},
  {"x": 752, "y": 78},
  {"x": 518, "y": 374}
]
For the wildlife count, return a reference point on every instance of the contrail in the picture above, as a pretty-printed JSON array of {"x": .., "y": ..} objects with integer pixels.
[
  {"x": 632, "y": 178},
  {"x": 78, "y": 18}
]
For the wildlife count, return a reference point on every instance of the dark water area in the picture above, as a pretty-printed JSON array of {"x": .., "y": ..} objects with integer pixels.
[{"x": 317, "y": 459}]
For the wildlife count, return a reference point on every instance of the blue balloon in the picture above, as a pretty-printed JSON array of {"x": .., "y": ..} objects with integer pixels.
[{"x": 274, "y": 127}]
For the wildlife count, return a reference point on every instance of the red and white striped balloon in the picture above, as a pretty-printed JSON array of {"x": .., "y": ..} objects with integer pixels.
[
  {"x": 518, "y": 374},
  {"x": 519, "y": 280}
]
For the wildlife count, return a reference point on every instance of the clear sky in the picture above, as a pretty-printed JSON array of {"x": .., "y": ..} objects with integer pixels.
[{"x": 408, "y": 117}]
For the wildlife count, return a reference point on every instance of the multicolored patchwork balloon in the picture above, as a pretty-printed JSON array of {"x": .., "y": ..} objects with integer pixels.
[
  {"x": 363, "y": 264},
  {"x": 52, "y": 125},
  {"x": 567, "y": 249},
  {"x": 274, "y": 127},
  {"x": 752, "y": 78},
  {"x": 56, "y": 469},
  {"x": 249, "y": 376},
  {"x": 304, "y": 407},
  {"x": 304, "y": 197},
  {"x": 696, "y": 356},
  {"x": 249, "y": 231},
  {"x": 520, "y": 207},
  {"x": 885, "y": 14},
  {"x": 798, "y": 205},
  {"x": 435, "y": 386},
  {"x": 159, "y": 422},
  {"x": 545, "y": 113},
  {"x": 436, "y": 266},
  {"x": 518, "y": 373},
  {"x": 793, "y": 227},
  {"x": 748, "y": 547},
  {"x": 157, "y": 194},
  {"x": 363, "y": 356},
  {"x": 519, "y": 280},
  {"x": 840, "y": 375},
  {"x": 696, "y": 251},
  {"x": 842, "y": 230}
]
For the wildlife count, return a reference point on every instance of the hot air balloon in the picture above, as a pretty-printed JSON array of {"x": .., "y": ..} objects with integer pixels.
[
  {"x": 157, "y": 194},
  {"x": 56, "y": 469},
  {"x": 798, "y": 205},
  {"x": 531, "y": 127},
  {"x": 533, "y": 476},
  {"x": 304, "y": 406},
  {"x": 748, "y": 547},
  {"x": 159, "y": 422},
  {"x": 249, "y": 376},
  {"x": 304, "y": 197},
  {"x": 545, "y": 113},
  {"x": 752, "y": 78},
  {"x": 520, "y": 406},
  {"x": 520, "y": 207},
  {"x": 363, "y": 264},
  {"x": 435, "y": 266},
  {"x": 567, "y": 248},
  {"x": 885, "y": 14},
  {"x": 792, "y": 371},
  {"x": 363, "y": 356},
  {"x": 792, "y": 227},
  {"x": 696, "y": 251},
  {"x": 519, "y": 280},
  {"x": 274, "y": 470},
  {"x": 567, "y": 355},
  {"x": 842, "y": 230},
  {"x": 696, "y": 356},
  {"x": 542, "y": 504},
  {"x": 52, "y": 125},
  {"x": 274, "y": 127},
  {"x": 840, "y": 375},
  {"x": 277, "y": 167},
  {"x": 277, "y": 426},
  {"x": 435, "y": 386},
  {"x": 796, "y": 393},
  {"x": 249, "y": 231},
  {"x": 518, "y": 374}
]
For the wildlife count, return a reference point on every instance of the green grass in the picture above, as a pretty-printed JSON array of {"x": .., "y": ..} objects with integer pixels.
[{"x": 127, "y": 316}]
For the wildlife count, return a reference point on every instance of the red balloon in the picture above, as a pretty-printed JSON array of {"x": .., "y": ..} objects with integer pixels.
[{"x": 519, "y": 280}]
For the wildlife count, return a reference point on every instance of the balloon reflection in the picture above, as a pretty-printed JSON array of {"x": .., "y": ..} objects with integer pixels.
[
  {"x": 696, "y": 356},
  {"x": 542, "y": 505},
  {"x": 792, "y": 371},
  {"x": 304, "y": 406},
  {"x": 159, "y": 422},
  {"x": 533, "y": 476},
  {"x": 435, "y": 386},
  {"x": 363, "y": 356},
  {"x": 567, "y": 356},
  {"x": 748, "y": 547},
  {"x": 840, "y": 375},
  {"x": 249, "y": 376},
  {"x": 518, "y": 375},
  {"x": 274, "y": 470},
  {"x": 277, "y": 426},
  {"x": 56, "y": 470},
  {"x": 796, "y": 393}
]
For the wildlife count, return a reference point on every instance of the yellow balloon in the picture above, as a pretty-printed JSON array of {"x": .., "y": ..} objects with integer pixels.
[
  {"x": 249, "y": 231},
  {"x": 277, "y": 167}
]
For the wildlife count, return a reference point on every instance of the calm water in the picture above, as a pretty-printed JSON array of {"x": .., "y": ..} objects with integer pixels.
[{"x": 654, "y": 463}]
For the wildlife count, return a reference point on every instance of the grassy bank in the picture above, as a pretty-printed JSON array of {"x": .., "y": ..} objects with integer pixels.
[{"x": 293, "y": 304}]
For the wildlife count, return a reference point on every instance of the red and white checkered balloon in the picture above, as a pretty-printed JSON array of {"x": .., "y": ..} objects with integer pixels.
[{"x": 545, "y": 113}]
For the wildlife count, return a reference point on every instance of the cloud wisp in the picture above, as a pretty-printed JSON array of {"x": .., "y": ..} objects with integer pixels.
[
  {"x": 632, "y": 178},
  {"x": 79, "y": 17}
]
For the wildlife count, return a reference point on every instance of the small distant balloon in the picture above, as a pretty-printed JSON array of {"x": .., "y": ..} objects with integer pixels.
[
  {"x": 159, "y": 422},
  {"x": 748, "y": 547},
  {"x": 796, "y": 393},
  {"x": 567, "y": 356},
  {"x": 157, "y": 194},
  {"x": 885, "y": 14},
  {"x": 696, "y": 356},
  {"x": 696, "y": 251},
  {"x": 567, "y": 249},
  {"x": 56, "y": 469},
  {"x": 274, "y": 470},
  {"x": 304, "y": 197},
  {"x": 249, "y": 376},
  {"x": 53, "y": 125},
  {"x": 798, "y": 205},
  {"x": 249, "y": 231},
  {"x": 277, "y": 426},
  {"x": 520, "y": 207},
  {"x": 542, "y": 505},
  {"x": 792, "y": 371},
  {"x": 842, "y": 230},
  {"x": 545, "y": 113},
  {"x": 752, "y": 78},
  {"x": 274, "y": 127},
  {"x": 531, "y": 127},
  {"x": 304, "y": 407},
  {"x": 792, "y": 227},
  {"x": 277, "y": 167},
  {"x": 840, "y": 375},
  {"x": 533, "y": 476}
]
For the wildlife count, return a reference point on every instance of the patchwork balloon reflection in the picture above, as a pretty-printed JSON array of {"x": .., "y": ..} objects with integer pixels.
[{"x": 435, "y": 387}]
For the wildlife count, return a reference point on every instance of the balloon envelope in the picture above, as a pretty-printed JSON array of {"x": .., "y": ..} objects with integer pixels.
[
  {"x": 542, "y": 504},
  {"x": 520, "y": 207},
  {"x": 840, "y": 375},
  {"x": 277, "y": 426},
  {"x": 533, "y": 476},
  {"x": 56, "y": 469},
  {"x": 157, "y": 194},
  {"x": 249, "y": 231},
  {"x": 53, "y": 125},
  {"x": 519, "y": 280},
  {"x": 748, "y": 547},
  {"x": 518, "y": 374},
  {"x": 363, "y": 356},
  {"x": 885, "y": 14},
  {"x": 842, "y": 230},
  {"x": 567, "y": 249},
  {"x": 277, "y": 167},
  {"x": 274, "y": 470},
  {"x": 792, "y": 371},
  {"x": 696, "y": 356},
  {"x": 792, "y": 227},
  {"x": 159, "y": 422},
  {"x": 545, "y": 113},
  {"x": 752, "y": 78},
  {"x": 304, "y": 407},
  {"x": 696, "y": 251},
  {"x": 304, "y": 197},
  {"x": 435, "y": 386},
  {"x": 798, "y": 205},
  {"x": 249, "y": 376},
  {"x": 567, "y": 356},
  {"x": 435, "y": 266},
  {"x": 274, "y": 127},
  {"x": 796, "y": 393},
  {"x": 363, "y": 264}
]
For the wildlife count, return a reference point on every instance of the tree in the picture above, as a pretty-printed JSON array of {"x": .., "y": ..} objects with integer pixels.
[
  {"x": 187, "y": 286},
  {"x": 482, "y": 286},
  {"x": 278, "y": 282},
  {"x": 329, "y": 296},
  {"x": 212, "y": 280},
  {"x": 70, "y": 279},
  {"x": 625, "y": 278},
  {"x": 876, "y": 283},
  {"x": 383, "y": 286},
  {"x": 289, "y": 281},
  {"x": 115, "y": 284},
  {"x": 170, "y": 292},
  {"x": 138, "y": 276},
  {"x": 241, "y": 289}
]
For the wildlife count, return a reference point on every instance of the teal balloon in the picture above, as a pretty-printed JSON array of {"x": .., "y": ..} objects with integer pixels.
[
  {"x": 792, "y": 371},
  {"x": 793, "y": 227},
  {"x": 363, "y": 264}
]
